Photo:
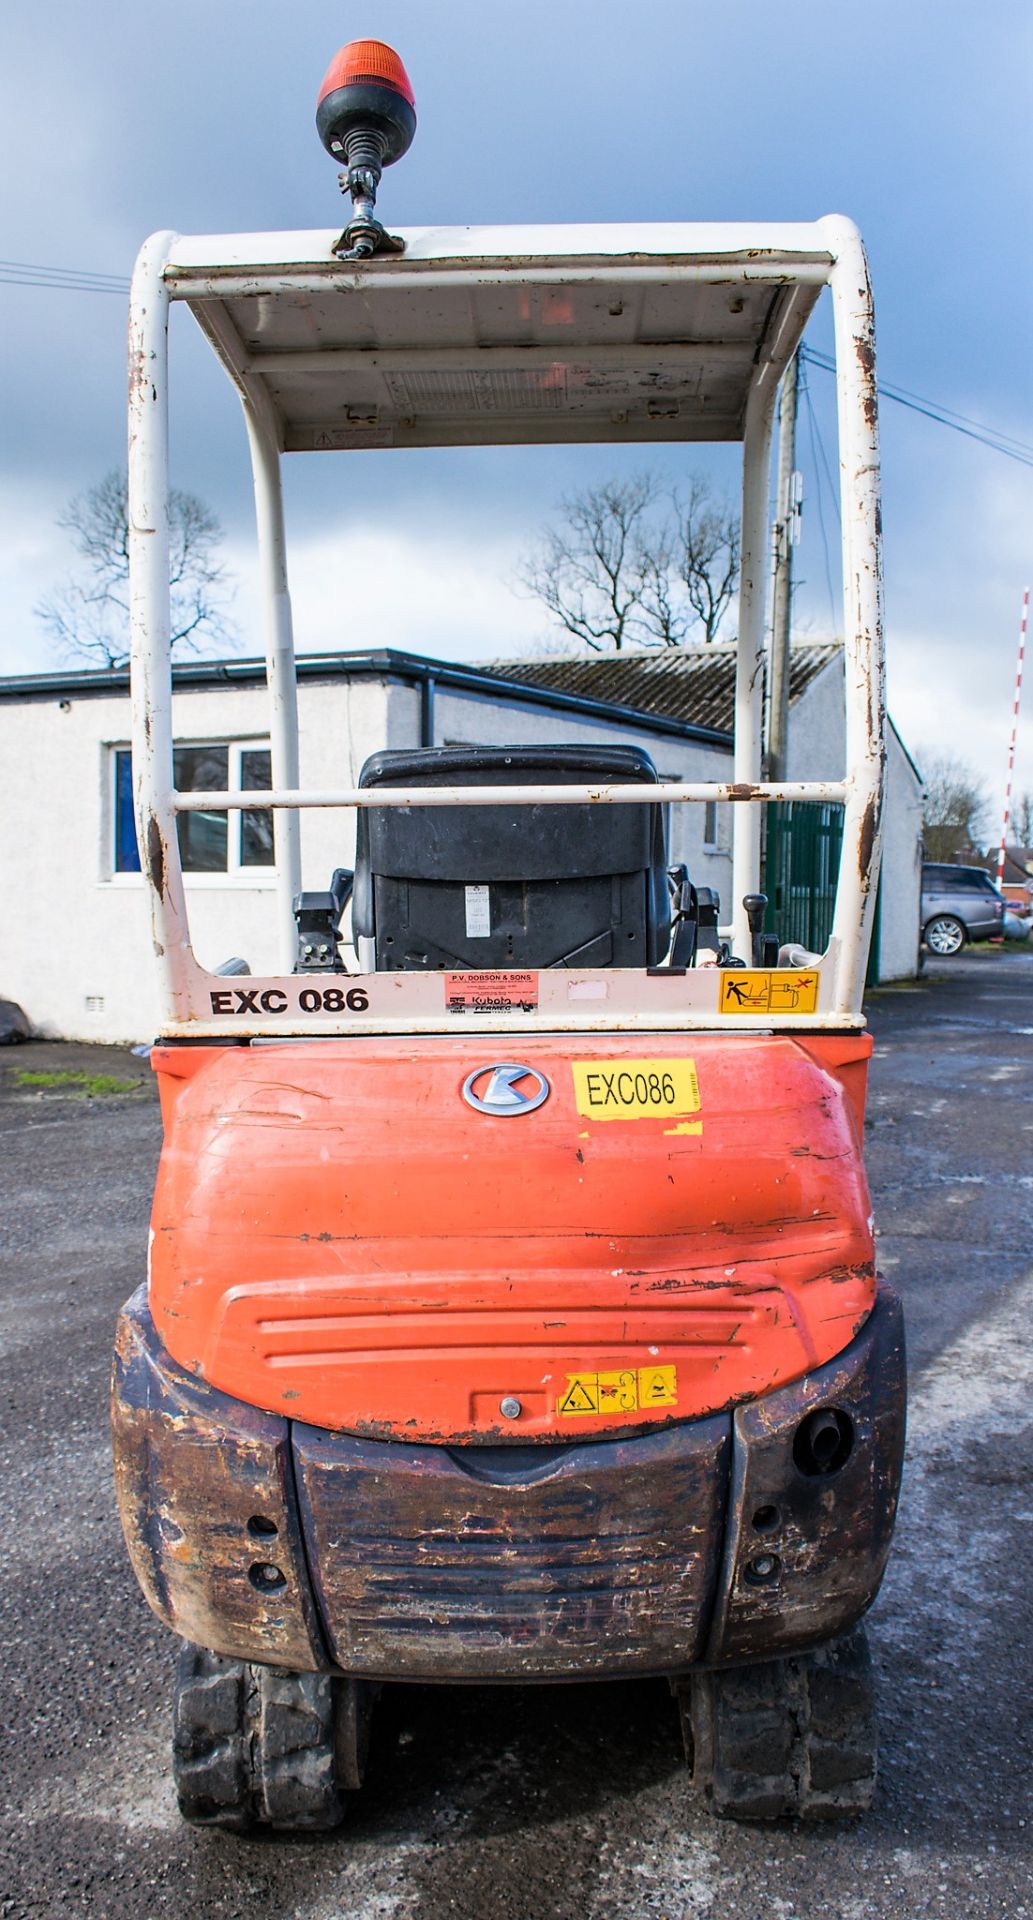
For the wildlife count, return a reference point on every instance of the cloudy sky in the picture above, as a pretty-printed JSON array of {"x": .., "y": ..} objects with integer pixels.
[{"x": 910, "y": 115}]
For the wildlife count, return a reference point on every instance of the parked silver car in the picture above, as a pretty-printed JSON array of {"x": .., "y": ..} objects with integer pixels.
[{"x": 958, "y": 904}]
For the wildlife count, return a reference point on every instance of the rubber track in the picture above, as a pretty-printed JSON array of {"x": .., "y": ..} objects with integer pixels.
[
  {"x": 253, "y": 1746},
  {"x": 793, "y": 1737}
]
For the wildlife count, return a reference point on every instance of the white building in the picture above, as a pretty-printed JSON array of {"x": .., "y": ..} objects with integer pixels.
[{"x": 74, "y": 933}]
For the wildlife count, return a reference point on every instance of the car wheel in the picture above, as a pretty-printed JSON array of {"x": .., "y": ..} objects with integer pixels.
[{"x": 945, "y": 934}]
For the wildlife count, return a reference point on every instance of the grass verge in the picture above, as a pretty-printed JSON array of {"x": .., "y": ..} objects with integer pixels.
[{"x": 99, "y": 1085}]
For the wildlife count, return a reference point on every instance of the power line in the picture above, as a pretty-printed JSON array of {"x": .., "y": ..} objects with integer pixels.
[
  {"x": 1019, "y": 450},
  {"x": 905, "y": 393},
  {"x": 25, "y": 273}
]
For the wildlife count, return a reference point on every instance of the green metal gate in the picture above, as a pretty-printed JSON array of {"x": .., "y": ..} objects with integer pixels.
[{"x": 804, "y": 843}]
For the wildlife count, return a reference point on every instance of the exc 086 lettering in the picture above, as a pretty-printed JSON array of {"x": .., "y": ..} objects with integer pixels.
[{"x": 256, "y": 1001}]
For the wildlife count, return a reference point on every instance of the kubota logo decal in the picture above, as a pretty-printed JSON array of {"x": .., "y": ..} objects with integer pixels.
[{"x": 505, "y": 1088}]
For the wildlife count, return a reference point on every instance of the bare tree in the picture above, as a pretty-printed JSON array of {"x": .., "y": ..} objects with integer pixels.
[
  {"x": 631, "y": 563},
  {"x": 87, "y": 616},
  {"x": 708, "y": 551},
  {"x": 663, "y": 615},
  {"x": 954, "y": 815},
  {"x": 1022, "y": 821},
  {"x": 587, "y": 571}
]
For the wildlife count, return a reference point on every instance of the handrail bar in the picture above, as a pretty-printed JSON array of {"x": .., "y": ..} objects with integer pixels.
[{"x": 641, "y": 794}]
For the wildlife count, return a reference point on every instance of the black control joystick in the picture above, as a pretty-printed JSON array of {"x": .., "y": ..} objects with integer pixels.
[{"x": 756, "y": 905}]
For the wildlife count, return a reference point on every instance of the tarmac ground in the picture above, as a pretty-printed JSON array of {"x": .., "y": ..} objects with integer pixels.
[{"x": 558, "y": 1803}]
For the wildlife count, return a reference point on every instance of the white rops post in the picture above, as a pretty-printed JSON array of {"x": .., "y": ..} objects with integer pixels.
[{"x": 474, "y": 337}]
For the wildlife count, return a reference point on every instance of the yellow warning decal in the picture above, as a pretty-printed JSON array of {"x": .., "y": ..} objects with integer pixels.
[
  {"x": 784, "y": 991},
  {"x": 635, "y": 1089},
  {"x": 629, "y": 1391}
]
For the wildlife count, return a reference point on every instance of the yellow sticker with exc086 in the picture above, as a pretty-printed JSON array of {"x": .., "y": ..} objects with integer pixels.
[
  {"x": 635, "y": 1089},
  {"x": 628, "y": 1390}
]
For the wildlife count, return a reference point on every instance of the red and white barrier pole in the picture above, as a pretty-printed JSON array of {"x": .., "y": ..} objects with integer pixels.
[{"x": 1014, "y": 731}]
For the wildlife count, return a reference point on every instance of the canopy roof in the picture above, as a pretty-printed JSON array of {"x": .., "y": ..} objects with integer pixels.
[{"x": 480, "y": 336}]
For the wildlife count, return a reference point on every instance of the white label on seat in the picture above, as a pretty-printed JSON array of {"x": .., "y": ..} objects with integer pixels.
[{"x": 478, "y": 913}]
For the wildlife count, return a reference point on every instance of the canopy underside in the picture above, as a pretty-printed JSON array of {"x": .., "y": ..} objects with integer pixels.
[{"x": 495, "y": 346}]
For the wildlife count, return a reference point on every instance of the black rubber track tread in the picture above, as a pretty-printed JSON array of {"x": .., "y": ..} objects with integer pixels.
[
  {"x": 210, "y": 1761},
  {"x": 794, "y": 1737},
  {"x": 253, "y": 1746},
  {"x": 297, "y": 1783}
]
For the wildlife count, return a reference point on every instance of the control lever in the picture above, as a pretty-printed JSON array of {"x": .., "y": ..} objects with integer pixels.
[
  {"x": 755, "y": 905},
  {"x": 684, "y": 900}
]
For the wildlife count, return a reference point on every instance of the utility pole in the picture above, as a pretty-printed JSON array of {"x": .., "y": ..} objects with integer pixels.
[
  {"x": 787, "y": 533},
  {"x": 1002, "y": 855}
]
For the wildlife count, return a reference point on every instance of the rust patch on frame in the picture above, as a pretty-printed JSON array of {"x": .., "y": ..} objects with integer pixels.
[
  {"x": 866, "y": 361},
  {"x": 155, "y": 855},
  {"x": 866, "y": 842}
]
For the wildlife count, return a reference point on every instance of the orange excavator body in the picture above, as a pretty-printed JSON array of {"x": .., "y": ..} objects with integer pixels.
[{"x": 339, "y": 1237}]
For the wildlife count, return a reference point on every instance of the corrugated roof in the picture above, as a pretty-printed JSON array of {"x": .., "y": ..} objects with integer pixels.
[{"x": 695, "y": 685}]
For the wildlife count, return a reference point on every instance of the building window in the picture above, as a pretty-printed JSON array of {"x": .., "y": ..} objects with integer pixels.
[
  {"x": 256, "y": 825},
  {"x": 710, "y": 823},
  {"x": 203, "y": 837},
  {"x": 127, "y": 853},
  {"x": 208, "y": 842}
]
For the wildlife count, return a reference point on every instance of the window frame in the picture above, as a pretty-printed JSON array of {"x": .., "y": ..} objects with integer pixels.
[{"x": 235, "y": 874}]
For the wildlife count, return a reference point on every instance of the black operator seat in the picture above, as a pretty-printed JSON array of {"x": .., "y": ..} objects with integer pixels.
[{"x": 525, "y": 886}]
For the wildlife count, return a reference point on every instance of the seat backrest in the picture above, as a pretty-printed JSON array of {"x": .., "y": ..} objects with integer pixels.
[{"x": 526, "y": 886}]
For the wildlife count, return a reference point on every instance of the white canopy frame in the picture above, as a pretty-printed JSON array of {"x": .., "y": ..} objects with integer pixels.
[{"x": 262, "y": 273}]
